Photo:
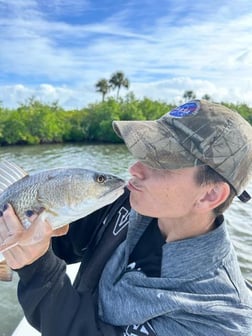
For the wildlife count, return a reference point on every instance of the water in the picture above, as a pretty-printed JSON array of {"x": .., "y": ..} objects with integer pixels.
[{"x": 114, "y": 159}]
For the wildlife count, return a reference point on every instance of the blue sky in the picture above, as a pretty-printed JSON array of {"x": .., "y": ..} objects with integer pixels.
[{"x": 58, "y": 49}]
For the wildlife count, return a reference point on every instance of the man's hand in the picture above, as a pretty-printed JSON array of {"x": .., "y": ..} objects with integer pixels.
[{"x": 23, "y": 246}]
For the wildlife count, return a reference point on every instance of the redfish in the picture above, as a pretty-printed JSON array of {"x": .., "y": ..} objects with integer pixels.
[{"x": 60, "y": 195}]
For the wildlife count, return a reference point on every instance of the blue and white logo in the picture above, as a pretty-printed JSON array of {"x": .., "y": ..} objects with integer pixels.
[
  {"x": 122, "y": 220},
  {"x": 140, "y": 330},
  {"x": 186, "y": 110}
]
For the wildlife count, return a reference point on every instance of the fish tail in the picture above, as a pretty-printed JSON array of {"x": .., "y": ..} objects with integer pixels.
[{"x": 5, "y": 271}]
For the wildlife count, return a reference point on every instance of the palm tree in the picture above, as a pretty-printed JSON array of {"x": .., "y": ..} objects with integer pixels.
[
  {"x": 189, "y": 94},
  {"x": 206, "y": 97},
  {"x": 118, "y": 80},
  {"x": 103, "y": 87}
]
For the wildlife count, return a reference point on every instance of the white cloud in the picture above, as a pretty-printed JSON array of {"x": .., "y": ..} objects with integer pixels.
[
  {"x": 172, "y": 90},
  {"x": 161, "y": 51},
  {"x": 66, "y": 97}
]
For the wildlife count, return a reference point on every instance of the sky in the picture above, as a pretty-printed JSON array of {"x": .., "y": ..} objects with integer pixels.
[{"x": 57, "y": 50}]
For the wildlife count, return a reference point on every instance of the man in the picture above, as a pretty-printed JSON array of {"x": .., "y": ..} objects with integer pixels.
[{"x": 176, "y": 272}]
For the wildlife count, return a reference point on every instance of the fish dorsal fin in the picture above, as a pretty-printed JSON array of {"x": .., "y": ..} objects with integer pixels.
[{"x": 9, "y": 173}]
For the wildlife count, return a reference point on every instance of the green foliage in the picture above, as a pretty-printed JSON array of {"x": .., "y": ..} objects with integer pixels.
[
  {"x": 154, "y": 109},
  {"x": 37, "y": 123},
  {"x": 75, "y": 129},
  {"x": 99, "y": 120},
  {"x": 244, "y": 110},
  {"x": 33, "y": 123}
]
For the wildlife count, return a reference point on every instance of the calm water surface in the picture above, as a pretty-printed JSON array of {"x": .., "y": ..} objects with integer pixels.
[{"x": 107, "y": 158}]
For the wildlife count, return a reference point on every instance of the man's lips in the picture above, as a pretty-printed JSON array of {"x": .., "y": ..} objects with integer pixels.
[{"x": 132, "y": 186}]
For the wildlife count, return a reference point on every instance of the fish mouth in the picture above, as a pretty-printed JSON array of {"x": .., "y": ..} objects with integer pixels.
[
  {"x": 118, "y": 190},
  {"x": 121, "y": 187}
]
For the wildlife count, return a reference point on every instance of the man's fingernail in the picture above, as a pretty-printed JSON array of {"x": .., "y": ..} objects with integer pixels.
[
  {"x": 5, "y": 207},
  {"x": 29, "y": 213}
]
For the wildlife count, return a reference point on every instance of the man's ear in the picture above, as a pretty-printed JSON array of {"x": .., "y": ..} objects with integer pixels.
[{"x": 215, "y": 194}]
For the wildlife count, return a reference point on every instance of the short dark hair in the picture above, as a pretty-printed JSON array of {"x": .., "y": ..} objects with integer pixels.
[{"x": 206, "y": 175}]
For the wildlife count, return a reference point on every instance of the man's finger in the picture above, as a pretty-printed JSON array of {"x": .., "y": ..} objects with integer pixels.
[
  {"x": 11, "y": 220},
  {"x": 61, "y": 231},
  {"x": 8, "y": 245},
  {"x": 38, "y": 231},
  {"x": 5, "y": 227}
]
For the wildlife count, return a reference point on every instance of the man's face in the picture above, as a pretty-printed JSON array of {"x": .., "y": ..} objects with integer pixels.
[{"x": 163, "y": 193}]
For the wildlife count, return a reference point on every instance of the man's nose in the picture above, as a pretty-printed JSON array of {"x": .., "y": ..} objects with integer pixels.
[{"x": 137, "y": 169}]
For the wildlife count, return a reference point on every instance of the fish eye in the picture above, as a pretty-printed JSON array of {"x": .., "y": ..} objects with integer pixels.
[{"x": 100, "y": 178}]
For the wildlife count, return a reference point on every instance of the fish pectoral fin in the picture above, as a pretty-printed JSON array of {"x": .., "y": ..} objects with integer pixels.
[
  {"x": 44, "y": 213},
  {"x": 10, "y": 173},
  {"x": 5, "y": 271},
  {"x": 53, "y": 212}
]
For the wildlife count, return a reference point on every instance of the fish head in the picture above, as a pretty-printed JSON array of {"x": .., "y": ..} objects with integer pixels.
[
  {"x": 71, "y": 194},
  {"x": 87, "y": 186}
]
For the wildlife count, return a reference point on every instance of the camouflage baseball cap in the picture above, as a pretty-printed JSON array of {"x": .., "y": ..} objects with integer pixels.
[{"x": 196, "y": 133}]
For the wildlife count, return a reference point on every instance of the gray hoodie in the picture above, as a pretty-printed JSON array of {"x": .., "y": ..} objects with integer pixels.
[{"x": 201, "y": 290}]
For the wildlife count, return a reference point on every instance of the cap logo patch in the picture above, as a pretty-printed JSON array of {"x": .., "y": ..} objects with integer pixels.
[{"x": 185, "y": 110}]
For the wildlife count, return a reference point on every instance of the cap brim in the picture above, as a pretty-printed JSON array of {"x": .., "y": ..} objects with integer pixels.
[{"x": 154, "y": 144}]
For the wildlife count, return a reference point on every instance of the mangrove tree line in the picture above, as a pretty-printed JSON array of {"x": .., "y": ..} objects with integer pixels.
[{"x": 36, "y": 123}]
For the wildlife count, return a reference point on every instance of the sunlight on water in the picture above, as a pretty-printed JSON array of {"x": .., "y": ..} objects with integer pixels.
[
  {"x": 107, "y": 158},
  {"x": 113, "y": 159}
]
